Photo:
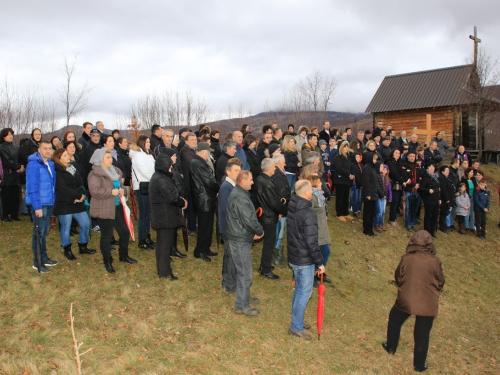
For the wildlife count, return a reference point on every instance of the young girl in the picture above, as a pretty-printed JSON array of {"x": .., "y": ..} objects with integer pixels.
[
  {"x": 385, "y": 182},
  {"x": 463, "y": 205},
  {"x": 318, "y": 204}
]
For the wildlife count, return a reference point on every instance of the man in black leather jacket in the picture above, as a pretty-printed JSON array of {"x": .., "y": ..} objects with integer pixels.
[
  {"x": 272, "y": 210},
  {"x": 242, "y": 228},
  {"x": 204, "y": 190}
]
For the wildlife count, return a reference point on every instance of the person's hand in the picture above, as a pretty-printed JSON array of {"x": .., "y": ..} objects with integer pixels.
[
  {"x": 39, "y": 213},
  {"x": 321, "y": 270},
  {"x": 431, "y": 191},
  {"x": 255, "y": 237},
  {"x": 369, "y": 198},
  {"x": 417, "y": 186},
  {"x": 115, "y": 192},
  {"x": 185, "y": 203},
  {"x": 440, "y": 201},
  {"x": 404, "y": 184},
  {"x": 486, "y": 210},
  {"x": 299, "y": 164},
  {"x": 328, "y": 163}
]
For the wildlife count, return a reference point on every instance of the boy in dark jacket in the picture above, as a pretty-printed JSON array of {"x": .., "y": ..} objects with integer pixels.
[
  {"x": 325, "y": 157},
  {"x": 481, "y": 207}
]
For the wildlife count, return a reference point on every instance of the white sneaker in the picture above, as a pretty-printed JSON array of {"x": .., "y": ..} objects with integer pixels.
[{"x": 96, "y": 228}]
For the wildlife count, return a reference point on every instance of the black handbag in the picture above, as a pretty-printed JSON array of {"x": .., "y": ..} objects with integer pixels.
[{"x": 143, "y": 186}]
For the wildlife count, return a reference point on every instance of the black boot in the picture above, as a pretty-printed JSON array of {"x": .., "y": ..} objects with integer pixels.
[
  {"x": 150, "y": 242},
  {"x": 114, "y": 241},
  {"x": 176, "y": 253},
  {"x": 127, "y": 259},
  {"x": 68, "y": 253},
  {"x": 108, "y": 264},
  {"x": 83, "y": 248},
  {"x": 144, "y": 245}
]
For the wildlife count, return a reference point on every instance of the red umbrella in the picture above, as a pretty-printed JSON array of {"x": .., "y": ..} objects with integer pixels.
[
  {"x": 134, "y": 206},
  {"x": 321, "y": 306},
  {"x": 128, "y": 219}
]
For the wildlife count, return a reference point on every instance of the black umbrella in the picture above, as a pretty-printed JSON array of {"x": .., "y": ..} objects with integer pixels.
[{"x": 38, "y": 250}]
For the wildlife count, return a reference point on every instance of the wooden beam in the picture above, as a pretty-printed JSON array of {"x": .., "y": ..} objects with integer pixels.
[{"x": 428, "y": 132}]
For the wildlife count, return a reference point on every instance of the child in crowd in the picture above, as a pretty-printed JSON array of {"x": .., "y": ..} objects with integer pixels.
[
  {"x": 357, "y": 171},
  {"x": 463, "y": 205},
  {"x": 385, "y": 183},
  {"x": 325, "y": 156},
  {"x": 481, "y": 207},
  {"x": 421, "y": 157}
]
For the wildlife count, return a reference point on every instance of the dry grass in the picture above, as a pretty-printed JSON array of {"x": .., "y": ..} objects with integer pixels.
[{"x": 137, "y": 324}]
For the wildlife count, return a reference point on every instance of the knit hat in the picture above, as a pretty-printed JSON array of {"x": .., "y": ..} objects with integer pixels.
[
  {"x": 322, "y": 142},
  {"x": 273, "y": 148}
]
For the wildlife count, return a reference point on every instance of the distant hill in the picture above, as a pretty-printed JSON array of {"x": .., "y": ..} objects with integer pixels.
[{"x": 338, "y": 120}]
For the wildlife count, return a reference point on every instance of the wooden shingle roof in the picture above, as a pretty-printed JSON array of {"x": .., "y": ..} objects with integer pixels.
[{"x": 427, "y": 89}]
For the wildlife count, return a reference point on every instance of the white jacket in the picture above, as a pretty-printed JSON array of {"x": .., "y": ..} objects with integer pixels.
[{"x": 143, "y": 167}]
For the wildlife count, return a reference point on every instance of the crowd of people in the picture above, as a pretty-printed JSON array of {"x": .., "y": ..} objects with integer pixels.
[{"x": 252, "y": 186}]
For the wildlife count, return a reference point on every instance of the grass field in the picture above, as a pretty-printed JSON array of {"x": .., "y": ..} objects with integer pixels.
[{"x": 136, "y": 324}]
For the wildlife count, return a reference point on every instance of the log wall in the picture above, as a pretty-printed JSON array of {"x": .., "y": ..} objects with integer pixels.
[{"x": 446, "y": 119}]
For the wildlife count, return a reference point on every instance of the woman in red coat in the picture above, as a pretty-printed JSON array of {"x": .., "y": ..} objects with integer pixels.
[{"x": 420, "y": 279}]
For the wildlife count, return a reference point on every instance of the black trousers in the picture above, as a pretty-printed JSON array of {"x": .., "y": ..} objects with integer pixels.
[
  {"x": 396, "y": 199},
  {"x": 421, "y": 334},
  {"x": 369, "y": 209},
  {"x": 342, "y": 199},
  {"x": 267, "y": 247},
  {"x": 205, "y": 232},
  {"x": 480, "y": 221},
  {"x": 107, "y": 226},
  {"x": 444, "y": 209},
  {"x": 164, "y": 241},
  {"x": 431, "y": 217},
  {"x": 10, "y": 201}
]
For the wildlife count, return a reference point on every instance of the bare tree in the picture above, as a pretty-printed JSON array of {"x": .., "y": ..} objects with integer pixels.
[
  {"x": 74, "y": 99},
  {"x": 484, "y": 95},
  {"x": 318, "y": 92}
]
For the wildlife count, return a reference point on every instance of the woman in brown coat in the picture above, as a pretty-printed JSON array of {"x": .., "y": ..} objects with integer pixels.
[
  {"x": 419, "y": 278},
  {"x": 105, "y": 186}
]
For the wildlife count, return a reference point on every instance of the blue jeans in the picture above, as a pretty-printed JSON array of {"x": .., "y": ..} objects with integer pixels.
[
  {"x": 83, "y": 221},
  {"x": 356, "y": 200},
  {"x": 450, "y": 217},
  {"x": 43, "y": 231},
  {"x": 325, "y": 251},
  {"x": 144, "y": 226},
  {"x": 24, "y": 207},
  {"x": 280, "y": 232},
  {"x": 380, "y": 211},
  {"x": 291, "y": 181},
  {"x": 304, "y": 279},
  {"x": 469, "y": 219},
  {"x": 412, "y": 204},
  {"x": 242, "y": 258}
]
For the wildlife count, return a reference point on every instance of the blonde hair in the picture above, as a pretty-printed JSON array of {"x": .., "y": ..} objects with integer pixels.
[
  {"x": 342, "y": 146},
  {"x": 286, "y": 144}
]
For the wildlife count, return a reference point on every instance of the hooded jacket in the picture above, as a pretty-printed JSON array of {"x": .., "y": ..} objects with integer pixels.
[
  {"x": 204, "y": 187},
  {"x": 164, "y": 199},
  {"x": 40, "y": 182},
  {"x": 371, "y": 187},
  {"x": 419, "y": 277},
  {"x": 103, "y": 202},
  {"x": 302, "y": 229}
]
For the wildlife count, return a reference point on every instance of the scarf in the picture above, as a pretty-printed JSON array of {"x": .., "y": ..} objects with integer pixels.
[
  {"x": 320, "y": 195},
  {"x": 71, "y": 169},
  {"x": 96, "y": 159}
]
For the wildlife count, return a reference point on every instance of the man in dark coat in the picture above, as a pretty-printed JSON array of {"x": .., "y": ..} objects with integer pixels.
[
  {"x": 228, "y": 152},
  {"x": 385, "y": 149},
  {"x": 88, "y": 151},
  {"x": 204, "y": 192},
  {"x": 420, "y": 279},
  {"x": 447, "y": 197},
  {"x": 304, "y": 254},
  {"x": 272, "y": 210},
  {"x": 186, "y": 154},
  {"x": 166, "y": 213},
  {"x": 263, "y": 148},
  {"x": 325, "y": 133},
  {"x": 432, "y": 154},
  {"x": 242, "y": 228},
  {"x": 155, "y": 138}
]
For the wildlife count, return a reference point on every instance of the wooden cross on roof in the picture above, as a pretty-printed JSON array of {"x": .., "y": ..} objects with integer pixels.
[
  {"x": 428, "y": 132},
  {"x": 476, "y": 42}
]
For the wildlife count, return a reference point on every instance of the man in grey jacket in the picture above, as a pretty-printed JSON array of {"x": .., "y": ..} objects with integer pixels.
[{"x": 242, "y": 228}]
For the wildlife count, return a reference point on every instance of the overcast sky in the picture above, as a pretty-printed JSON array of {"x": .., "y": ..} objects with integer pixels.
[{"x": 234, "y": 51}]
